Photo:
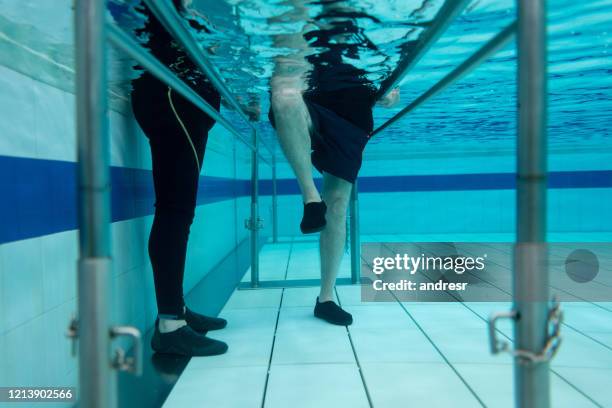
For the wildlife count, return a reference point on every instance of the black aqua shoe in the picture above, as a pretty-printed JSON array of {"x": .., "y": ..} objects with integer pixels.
[
  {"x": 314, "y": 218},
  {"x": 203, "y": 324},
  {"x": 186, "y": 342},
  {"x": 332, "y": 313}
]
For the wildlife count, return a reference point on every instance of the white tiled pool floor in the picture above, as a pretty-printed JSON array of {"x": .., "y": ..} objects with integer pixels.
[{"x": 394, "y": 355}]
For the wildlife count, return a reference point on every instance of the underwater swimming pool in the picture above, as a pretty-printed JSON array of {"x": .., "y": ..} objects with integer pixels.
[{"x": 444, "y": 173}]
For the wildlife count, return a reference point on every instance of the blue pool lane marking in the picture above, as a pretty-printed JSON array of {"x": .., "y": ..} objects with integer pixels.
[
  {"x": 457, "y": 182},
  {"x": 38, "y": 197}
]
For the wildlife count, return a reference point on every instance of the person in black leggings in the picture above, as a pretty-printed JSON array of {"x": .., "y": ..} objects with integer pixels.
[{"x": 177, "y": 132}]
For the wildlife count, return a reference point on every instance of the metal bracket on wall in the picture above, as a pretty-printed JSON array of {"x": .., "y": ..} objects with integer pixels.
[
  {"x": 72, "y": 334},
  {"x": 553, "y": 339},
  {"x": 254, "y": 226},
  {"x": 121, "y": 362}
]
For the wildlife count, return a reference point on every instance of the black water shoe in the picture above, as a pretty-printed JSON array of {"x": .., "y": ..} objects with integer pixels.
[
  {"x": 314, "y": 217},
  {"x": 203, "y": 324},
  {"x": 332, "y": 313},
  {"x": 186, "y": 342}
]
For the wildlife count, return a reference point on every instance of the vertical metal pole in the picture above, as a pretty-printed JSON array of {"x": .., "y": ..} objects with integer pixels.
[
  {"x": 254, "y": 222},
  {"x": 274, "y": 202},
  {"x": 354, "y": 233},
  {"x": 96, "y": 377},
  {"x": 532, "y": 382}
]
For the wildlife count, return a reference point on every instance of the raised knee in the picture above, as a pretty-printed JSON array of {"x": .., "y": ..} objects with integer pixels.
[{"x": 286, "y": 98}]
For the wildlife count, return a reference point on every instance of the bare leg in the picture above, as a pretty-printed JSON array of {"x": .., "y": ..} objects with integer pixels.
[
  {"x": 293, "y": 129},
  {"x": 336, "y": 193}
]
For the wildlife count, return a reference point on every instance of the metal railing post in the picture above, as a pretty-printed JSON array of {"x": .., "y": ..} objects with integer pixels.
[
  {"x": 97, "y": 380},
  {"x": 532, "y": 382},
  {"x": 254, "y": 222},
  {"x": 274, "y": 202},
  {"x": 355, "y": 239}
]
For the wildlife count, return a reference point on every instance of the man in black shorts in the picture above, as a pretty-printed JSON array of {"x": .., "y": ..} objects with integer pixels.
[{"x": 325, "y": 122}]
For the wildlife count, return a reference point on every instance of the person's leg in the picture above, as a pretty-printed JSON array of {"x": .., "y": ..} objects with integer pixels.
[
  {"x": 177, "y": 133},
  {"x": 177, "y": 148},
  {"x": 336, "y": 193},
  {"x": 293, "y": 123}
]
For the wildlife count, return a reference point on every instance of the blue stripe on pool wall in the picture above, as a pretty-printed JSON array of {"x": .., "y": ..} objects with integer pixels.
[
  {"x": 39, "y": 196},
  {"x": 456, "y": 182}
]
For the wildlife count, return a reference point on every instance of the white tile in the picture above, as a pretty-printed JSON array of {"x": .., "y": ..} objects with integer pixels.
[
  {"x": 449, "y": 315},
  {"x": 380, "y": 317},
  {"x": 586, "y": 318},
  {"x": 25, "y": 355},
  {"x": 419, "y": 385},
  {"x": 315, "y": 385},
  {"x": 269, "y": 271},
  {"x": 578, "y": 350},
  {"x": 59, "y": 258},
  {"x": 391, "y": 345},
  {"x": 4, "y": 373},
  {"x": 125, "y": 254},
  {"x": 304, "y": 262},
  {"x": 305, "y": 272},
  {"x": 250, "y": 319},
  {"x": 594, "y": 382},
  {"x": 302, "y": 318},
  {"x": 603, "y": 337},
  {"x": 231, "y": 387},
  {"x": 350, "y": 295},
  {"x": 310, "y": 346},
  {"x": 55, "y": 122},
  {"x": 3, "y": 326},
  {"x": 17, "y": 100},
  {"x": 123, "y": 138},
  {"x": 466, "y": 346},
  {"x": 22, "y": 296},
  {"x": 58, "y": 360},
  {"x": 301, "y": 297},
  {"x": 246, "y": 347},
  {"x": 254, "y": 298},
  {"x": 127, "y": 300},
  {"x": 494, "y": 384}
]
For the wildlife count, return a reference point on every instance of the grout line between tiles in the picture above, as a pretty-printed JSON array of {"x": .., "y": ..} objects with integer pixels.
[
  {"x": 584, "y": 394},
  {"x": 451, "y": 366},
  {"x": 263, "y": 399},
  {"x": 280, "y": 306},
  {"x": 363, "y": 380}
]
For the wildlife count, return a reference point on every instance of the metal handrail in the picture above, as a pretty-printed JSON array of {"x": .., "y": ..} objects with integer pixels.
[
  {"x": 136, "y": 51},
  {"x": 493, "y": 45},
  {"x": 169, "y": 18},
  {"x": 447, "y": 13}
]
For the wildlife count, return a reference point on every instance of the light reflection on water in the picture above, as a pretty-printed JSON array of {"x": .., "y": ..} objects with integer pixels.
[{"x": 479, "y": 111}]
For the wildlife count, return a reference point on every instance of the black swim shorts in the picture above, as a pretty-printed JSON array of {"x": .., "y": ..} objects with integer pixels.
[{"x": 337, "y": 143}]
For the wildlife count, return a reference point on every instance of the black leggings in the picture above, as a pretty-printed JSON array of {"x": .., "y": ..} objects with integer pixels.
[{"x": 177, "y": 132}]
